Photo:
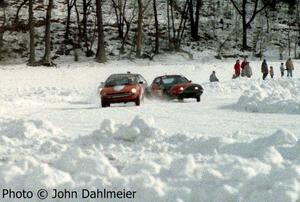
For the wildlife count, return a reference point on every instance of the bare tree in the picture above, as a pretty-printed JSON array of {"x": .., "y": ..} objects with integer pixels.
[
  {"x": 3, "y": 6},
  {"x": 18, "y": 11},
  {"x": 139, "y": 29},
  {"x": 31, "y": 35},
  {"x": 194, "y": 19},
  {"x": 101, "y": 55},
  {"x": 178, "y": 33},
  {"x": 120, "y": 7},
  {"x": 156, "y": 51},
  {"x": 47, "y": 56},
  {"x": 70, "y": 5},
  {"x": 297, "y": 41},
  {"x": 141, "y": 10},
  {"x": 246, "y": 23},
  {"x": 128, "y": 23}
]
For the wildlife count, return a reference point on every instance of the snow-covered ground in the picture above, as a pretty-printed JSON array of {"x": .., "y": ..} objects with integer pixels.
[{"x": 241, "y": 143}]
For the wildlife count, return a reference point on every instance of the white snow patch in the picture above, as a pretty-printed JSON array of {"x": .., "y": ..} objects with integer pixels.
[
  {"x": 159, "y": 166},
  {"x": 279, "y": 96}
]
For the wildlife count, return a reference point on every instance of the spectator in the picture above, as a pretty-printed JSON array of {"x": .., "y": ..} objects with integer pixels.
[
  {"x": 264, "y": 69},
  {"x": 289, "y": 67},
  {"x": 248, "y": 70},
  {"x": 282, "y": 69},
  {"x": 271, "y": 72},
  {"x": 213, "y": 77},
  {"x": 243, "y": 66},
  {"x": 237, "y": 68}
]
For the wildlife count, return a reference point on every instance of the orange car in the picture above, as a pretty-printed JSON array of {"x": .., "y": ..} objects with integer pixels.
[{"x": 123, "y": 88}]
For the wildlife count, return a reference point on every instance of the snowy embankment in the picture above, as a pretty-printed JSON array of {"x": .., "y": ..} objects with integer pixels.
[
  {"x": 279, "y": 96},
  {"x": 159, "y": 166},
  {"x": 53, "y": 134}
]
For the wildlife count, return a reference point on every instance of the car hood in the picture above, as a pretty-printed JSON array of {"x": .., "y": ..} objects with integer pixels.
[{"x": 118, "y": 89}]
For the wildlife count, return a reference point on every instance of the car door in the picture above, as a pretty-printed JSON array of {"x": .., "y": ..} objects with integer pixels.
[{"x": 156, "y": 87}]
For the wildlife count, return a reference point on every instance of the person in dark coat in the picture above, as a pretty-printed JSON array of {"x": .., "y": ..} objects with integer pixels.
[
  {"x": 237, "y": 68},
  {"x": 213, "y": 77},
  {"x": 264, "y": 69},
  {"x": 282, "y": 69},
  {"x": 271, "y": 72}
]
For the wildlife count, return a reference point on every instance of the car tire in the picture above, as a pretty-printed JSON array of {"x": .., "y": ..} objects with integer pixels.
[
  {"x": 198, "y": 98},
  {"x": 138, "y": 102},
  {"x": 180, "y": 99},
  {"x": 105, "y": 104}
]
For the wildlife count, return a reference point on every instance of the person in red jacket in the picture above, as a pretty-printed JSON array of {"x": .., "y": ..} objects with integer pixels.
[
  {"x": 243, "y": 66},
  {"x": 237, "y": 68}
]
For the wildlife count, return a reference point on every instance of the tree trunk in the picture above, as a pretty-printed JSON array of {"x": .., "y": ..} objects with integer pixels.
[
  {"x": 245, "y": 45},
  {"x": 244, "y": 17},
  {"x": 3, "y": 24},
  {"x": 31, "y": 34},
  {"x": 139, "y": 30},
  {"x": 169, "y": 29},
  {"x": 197, "y": 18},
  {"x": 244, "y": 13},
  {"x": 1, "y": 39},
  {"x": 156, "y": 51},
  {"x": 67, "y": 33},
  {"x": 100, "y": 56},
  {"x": 191, "y": 12},
  {"x": 194, "y": 20},
  {"x": 84, "y": 19},
  {"x": 47, "y": 57},
  {"x": 289, "y": 41}
]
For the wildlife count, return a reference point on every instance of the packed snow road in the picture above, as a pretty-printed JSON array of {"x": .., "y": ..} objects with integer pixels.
[{"x": 240, "y": 143}]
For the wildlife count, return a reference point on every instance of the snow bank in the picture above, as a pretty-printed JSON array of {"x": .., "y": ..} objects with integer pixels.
[
  {"x": 42, "y": 95},
  {"x": 159, "y": 166},
  {"x": 272, "y": 96}
]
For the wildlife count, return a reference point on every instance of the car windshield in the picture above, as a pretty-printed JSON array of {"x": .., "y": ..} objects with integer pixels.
[
  {"x": 172, "y": 80},
  {"x": 119, "y": 80}
]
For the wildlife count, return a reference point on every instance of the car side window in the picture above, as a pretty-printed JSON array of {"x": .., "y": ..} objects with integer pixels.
[
  {"x": 142, "y": 79},
  {"x": 157, "y": 81}
]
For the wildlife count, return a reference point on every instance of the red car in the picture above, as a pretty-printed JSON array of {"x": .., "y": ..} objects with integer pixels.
[
  {"x": 122, "y": 88},
  {"x": 175, "y": 86}
]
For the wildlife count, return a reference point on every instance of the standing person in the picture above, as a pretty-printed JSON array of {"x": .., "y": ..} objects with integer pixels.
[
  {"x": 213, "y": 77},
  {"x": 237, "y": 68},
  {"x": 243, "y": 66},
  {"x": 282, "y": 69},
  {"x": 264, "y": 69},
  {"x": 289, "y": 67},
  {"x": 248, "y": 70},
  {"x": 271, "y": 72}
]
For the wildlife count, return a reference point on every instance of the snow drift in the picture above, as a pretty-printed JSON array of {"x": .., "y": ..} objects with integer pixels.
[
  {"x": 159, "y": 166},
  {"x": 272, "y": 96}
]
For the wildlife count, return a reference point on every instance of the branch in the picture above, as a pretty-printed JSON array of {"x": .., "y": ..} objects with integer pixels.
[
  {"x": 257, "y": 11},
  {"x": 146, "y": 6},
  {"x": 18, "y": 10},
  {"x": 236, "y": 7}
]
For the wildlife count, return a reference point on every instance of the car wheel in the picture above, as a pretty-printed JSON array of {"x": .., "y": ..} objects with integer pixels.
[
  {"x": 138, "y": 102},
  {"x": 180, "y": 99},
  {"x": 105, "y": 104},
  {"x": 198, "y": 98}
]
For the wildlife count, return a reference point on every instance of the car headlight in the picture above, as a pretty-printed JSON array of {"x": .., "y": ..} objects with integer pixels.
[
  {"x": 181, "y": 88},
  {"x": 133, "y": 90},
  {"x": 196, "y": 88}
]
